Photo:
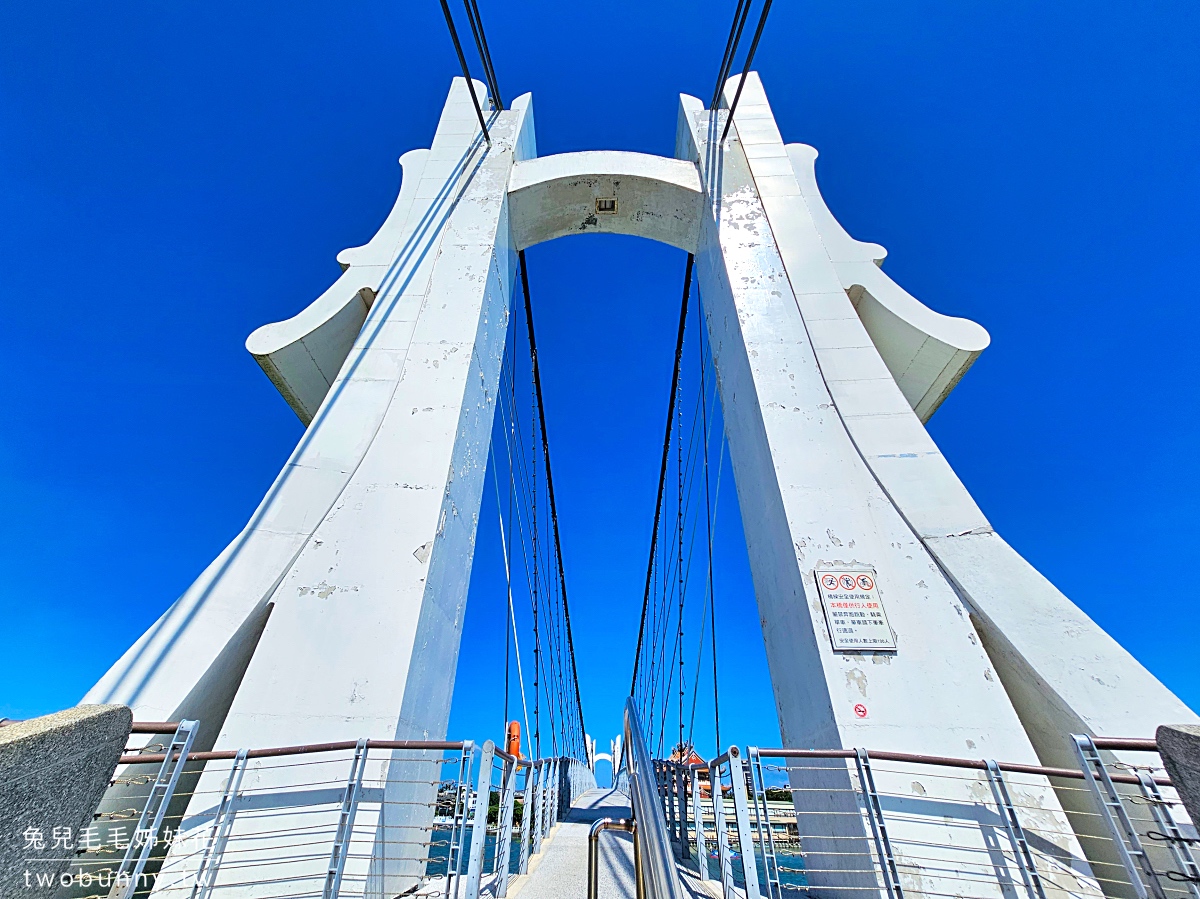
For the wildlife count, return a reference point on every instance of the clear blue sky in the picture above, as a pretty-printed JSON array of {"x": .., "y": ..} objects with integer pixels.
[{"x": 174, "y": 174}]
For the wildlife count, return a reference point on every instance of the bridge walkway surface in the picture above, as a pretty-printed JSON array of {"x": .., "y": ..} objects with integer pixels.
[{"x": 559, "y": 871}]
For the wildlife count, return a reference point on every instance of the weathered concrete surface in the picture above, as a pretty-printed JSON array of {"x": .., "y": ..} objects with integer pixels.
[
  {"x": 1179, "y": 746},
  {"x": 53, "y": 771}
]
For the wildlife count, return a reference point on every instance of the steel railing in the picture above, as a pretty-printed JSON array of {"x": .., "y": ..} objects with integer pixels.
[
  {"x": 437, "y": 818},
  {"x": 773, "y": 821}
]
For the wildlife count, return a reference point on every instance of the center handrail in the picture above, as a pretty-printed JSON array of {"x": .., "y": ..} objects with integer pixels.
[{"x": 653, "y": 842}]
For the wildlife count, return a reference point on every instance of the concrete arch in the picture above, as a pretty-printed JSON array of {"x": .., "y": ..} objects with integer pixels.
[{"x": 655, "y": 197}]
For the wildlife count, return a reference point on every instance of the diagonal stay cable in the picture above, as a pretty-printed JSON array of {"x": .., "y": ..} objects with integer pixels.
[{"x": 541, "y": 408}]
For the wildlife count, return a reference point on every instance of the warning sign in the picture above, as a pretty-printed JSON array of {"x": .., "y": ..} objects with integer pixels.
[{"x": 854, "y": 611}]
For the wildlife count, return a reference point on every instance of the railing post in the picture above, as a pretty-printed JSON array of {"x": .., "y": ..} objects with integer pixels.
[
  {"x": 1115, "y": 815},
  {"x": 548, "y": 799},
  {"x": 559, "y": 787},
  {"x": 534, "y": 806},
  {"x": 504, "y": 834},
  {"x": 210, "y": 862},
  {"x": 1016, "y": 833},
  {"x": 526, "y": 814},
  {"x": 462, "y": 797},
  {"x": 151, "y": 818},
  {"x": 668, "y": 793},
  {"x": 483, "y": 794},
  {"x": 724, "y": 862},
  {"x": 681, "y": 792},
  {"x": 1160, "y": 810},
  {"x": 544, "y": 804},
  {"x": 741, "y": 813},
  {"x": 762, "y": 817},
  {"x": 560, "y": 793},
  {"x": 698, "y": 823},
  {"x": 345, "y": 828},
  {"x": 883, "y": 845}
]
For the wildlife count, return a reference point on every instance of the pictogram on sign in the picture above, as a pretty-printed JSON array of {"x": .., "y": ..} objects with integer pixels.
[
  {"x": 860, "y": 711},
  {"x": 854, "y": 611}
]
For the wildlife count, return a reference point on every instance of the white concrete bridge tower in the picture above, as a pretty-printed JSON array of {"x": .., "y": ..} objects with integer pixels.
[{"x": 337, "y": 611}]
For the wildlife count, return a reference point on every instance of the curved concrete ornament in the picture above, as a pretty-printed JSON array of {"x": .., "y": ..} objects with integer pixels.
[
  {"x": 926, "y": 352},
  {"x": 302, "y": 355}
]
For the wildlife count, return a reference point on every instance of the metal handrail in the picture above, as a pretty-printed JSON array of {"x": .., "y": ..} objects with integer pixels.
[
  {"x": 977, "y": 764},
  {"x": 154, "y": 727},
  {"x": 658, "y": 860},
  {"x": 276, "y": 751},
  {"x": 593, "y": 876}
]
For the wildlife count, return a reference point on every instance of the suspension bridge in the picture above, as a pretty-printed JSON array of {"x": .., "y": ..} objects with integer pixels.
[{"x": 943, "y": 733}]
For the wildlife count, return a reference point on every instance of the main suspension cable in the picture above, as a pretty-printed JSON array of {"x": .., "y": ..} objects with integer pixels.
[
  {"x": 731, "y": 45},
  {"x": 541, "y": 409},
  {"x": 485, "y": 55},
  {"x": 762, "y": 21},
  {"x": 462, "y": 61},
  {"x": 548, "y": 621}
]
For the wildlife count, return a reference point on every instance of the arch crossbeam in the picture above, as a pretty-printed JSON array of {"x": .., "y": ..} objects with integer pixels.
[{"x": 652, "y": 197}]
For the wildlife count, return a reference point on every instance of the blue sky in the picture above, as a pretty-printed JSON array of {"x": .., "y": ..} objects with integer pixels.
[{"x": 173, "y": 175}]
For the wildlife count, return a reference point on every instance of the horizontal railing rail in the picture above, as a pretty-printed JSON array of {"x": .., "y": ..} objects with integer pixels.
[
  {"x": 277, "y": 751},
  {"x": 976, "y": 764},
  {"x": 154, "y": 727}
]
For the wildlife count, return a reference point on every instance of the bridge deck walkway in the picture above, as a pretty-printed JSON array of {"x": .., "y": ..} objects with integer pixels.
[{"x": 559, "y": 871}]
